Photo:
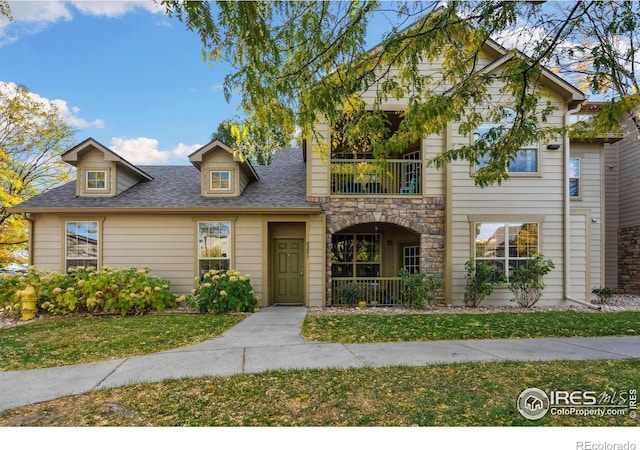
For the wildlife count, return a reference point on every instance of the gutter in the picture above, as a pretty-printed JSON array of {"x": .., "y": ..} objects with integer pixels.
[{"x": 567, "y": 218}]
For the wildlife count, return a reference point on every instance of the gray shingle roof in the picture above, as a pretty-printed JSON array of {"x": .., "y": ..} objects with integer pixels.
[{"x": 281, "y": 185}]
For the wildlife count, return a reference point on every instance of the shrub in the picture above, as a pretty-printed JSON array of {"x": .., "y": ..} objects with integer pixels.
[
  {"x": 481, "y": 280},
  {"x": 349, "y": 294},
  {"x": 125, "y": 291},
  {"x": 222, "y": 291},
  {"x": 526, "y": 283},
  {"x": 418, "y": 288},
  {"x": 604, "y": 294}
]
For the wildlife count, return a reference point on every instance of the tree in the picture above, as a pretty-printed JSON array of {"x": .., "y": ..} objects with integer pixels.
[
  {"x": 255, "y": 143},
  {"x": 5, "y": 10},
  {"x": 300, "y": 63},
  {"x": 223, "y": 133},
  {"x": 32, "y": 137},
  {"x": 605, "y": 59}
]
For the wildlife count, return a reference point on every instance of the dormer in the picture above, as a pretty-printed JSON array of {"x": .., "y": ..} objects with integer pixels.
[
  {"x": 101, "y": 172},
  {"x": 223, "y": 172}
]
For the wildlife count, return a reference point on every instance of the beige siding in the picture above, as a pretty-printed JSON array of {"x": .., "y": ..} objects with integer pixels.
[
  {"x": 94, "y": 159},
  {"x": 47, "y": 242},
  {"x": 318, "y": 165},
  {"x": 125, "y": 179},
  {"x": 540, "y": 196},
  {"x": 247, "y": 254},
  {"x": 434, "y": 179},
  {"x": 243, "y": 180},
  {"x": 166, "y": 244},
  {"x": 220, "y": 160},
  {"x": 629, "y": 182},
  {"x": 580, "y": 257},
  {"x": 611, "y": 208},
  {"x": 316, "y": 260},
  {"x": 591, "y": 185}
]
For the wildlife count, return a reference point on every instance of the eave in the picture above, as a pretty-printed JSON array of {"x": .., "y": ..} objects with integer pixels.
[{"x": 200, "y": 210}]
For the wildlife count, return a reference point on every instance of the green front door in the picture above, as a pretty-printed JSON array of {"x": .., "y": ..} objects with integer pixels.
[{"x": 288, "y": 271}]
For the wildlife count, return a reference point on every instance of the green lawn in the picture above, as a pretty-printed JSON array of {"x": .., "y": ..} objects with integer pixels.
[
  {"x": 57, "y": 342},
  {"x": 472, "y": 394},
  {"x": 354, "y": 328}
]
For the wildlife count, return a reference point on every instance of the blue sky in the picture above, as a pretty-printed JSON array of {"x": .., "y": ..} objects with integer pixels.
[
  {"x": 121, "y": 72},
  {"x": 124, "y": 73}
]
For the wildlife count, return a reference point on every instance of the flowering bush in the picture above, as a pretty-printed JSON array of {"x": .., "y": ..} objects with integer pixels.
[
  {"x": 222, "y": 291},
  {"x": 125, "y": 291}
]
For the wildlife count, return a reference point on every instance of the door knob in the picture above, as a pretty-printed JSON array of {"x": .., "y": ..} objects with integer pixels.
[{"x": 301, "y": 271}]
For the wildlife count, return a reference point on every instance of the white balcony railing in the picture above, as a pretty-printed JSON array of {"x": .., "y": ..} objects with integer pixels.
[{"x": 370, "y": 177}]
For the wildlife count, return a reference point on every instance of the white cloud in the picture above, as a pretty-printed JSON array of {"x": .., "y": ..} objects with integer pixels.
[
  {"x": 522, "y": 37},
  {"x": 40, "y": 11},
  {"x": 113, "y": 8},
  {"x": 31, "y": 17},
  {"x": 145, "y": 151},
  {"x": 69, "y": 114}
]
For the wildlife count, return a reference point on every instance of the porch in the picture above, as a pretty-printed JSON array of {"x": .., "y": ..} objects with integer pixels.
[{"x": 366, "y": 260}]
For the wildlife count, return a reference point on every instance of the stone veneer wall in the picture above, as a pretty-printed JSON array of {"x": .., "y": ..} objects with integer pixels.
[
  {"x": 629, "y": 259},
  {"x": 425, "y": 216}
]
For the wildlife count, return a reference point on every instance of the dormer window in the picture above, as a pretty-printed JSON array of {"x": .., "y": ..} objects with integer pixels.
[
  {"x": 96, "y": 180},
  {"x": 223, "y": 171},
  {"x": 220, "y": 180}
]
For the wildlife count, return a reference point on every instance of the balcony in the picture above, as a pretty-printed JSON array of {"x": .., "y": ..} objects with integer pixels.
[{"x": 370, "y": 177}]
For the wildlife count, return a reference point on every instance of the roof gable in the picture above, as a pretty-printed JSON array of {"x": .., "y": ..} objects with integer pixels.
[
  {"x": 199, "y": 156},
  {"x": 73, "y": 155}
]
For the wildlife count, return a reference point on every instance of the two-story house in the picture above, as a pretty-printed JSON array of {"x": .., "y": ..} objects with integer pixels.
[{"x": 309, "y": 223}]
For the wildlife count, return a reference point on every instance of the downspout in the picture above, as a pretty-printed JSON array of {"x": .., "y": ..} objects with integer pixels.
[{"x": 567, "y": 217}]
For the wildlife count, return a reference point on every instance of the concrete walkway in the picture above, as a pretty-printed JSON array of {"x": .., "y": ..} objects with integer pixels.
[{"x": 270, "y": 339}]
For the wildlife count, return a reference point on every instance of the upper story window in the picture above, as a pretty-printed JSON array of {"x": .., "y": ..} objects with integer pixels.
[
  {"x": 525, "y": 160},
  {"x": 81, "y": 244},
  {"x": 574, "y": 178},
  {"x": 220, "y": 180},
  {"x": 96, "y": 180}
]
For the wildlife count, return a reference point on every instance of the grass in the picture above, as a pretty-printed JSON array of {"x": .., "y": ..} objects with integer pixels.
[
  {"x": 355, "y": 328},
  {"x": 57, "y": 342},
  {"x": 471, "y": 394}
]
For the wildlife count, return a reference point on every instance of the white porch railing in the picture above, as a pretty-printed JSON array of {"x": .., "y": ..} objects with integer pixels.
[{"x": 369, "y": 177}]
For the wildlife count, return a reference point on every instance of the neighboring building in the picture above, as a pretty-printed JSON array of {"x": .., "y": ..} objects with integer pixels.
[
  {"x": 307, "y": 225},
  {"x": 622, "y": 206}
]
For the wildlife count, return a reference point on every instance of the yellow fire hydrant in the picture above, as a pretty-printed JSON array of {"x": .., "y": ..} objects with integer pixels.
[{"x": 29, "y": 302}]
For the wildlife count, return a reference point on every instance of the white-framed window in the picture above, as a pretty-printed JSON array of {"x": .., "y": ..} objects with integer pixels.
[
  {"x": 355, "y": 255},
  {"x": 81, "y": 244},
  {"x": 574, "y": 178},
  {"x": 96, "y": 180},
  {"x": 524, "y": 161},
  {"x": 504, "y": 246},
  {"x": 220, "y": 180},
  {"x": 214, "y": 246}
]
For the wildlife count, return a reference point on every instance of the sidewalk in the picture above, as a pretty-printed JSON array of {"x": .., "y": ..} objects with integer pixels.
[{"x": 270, "y": 339}]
